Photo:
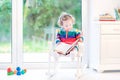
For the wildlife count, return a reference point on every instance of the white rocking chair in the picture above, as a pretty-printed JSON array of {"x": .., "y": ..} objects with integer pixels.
[{"x": 79, "y": 57}]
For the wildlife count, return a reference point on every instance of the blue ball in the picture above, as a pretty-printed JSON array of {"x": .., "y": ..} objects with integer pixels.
[
  {"x": 18, "y": 68},
  {"x": 18, "y": 73}
]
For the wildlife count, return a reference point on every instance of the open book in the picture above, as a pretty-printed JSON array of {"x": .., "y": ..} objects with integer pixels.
[{"x": 64, "y": 48}]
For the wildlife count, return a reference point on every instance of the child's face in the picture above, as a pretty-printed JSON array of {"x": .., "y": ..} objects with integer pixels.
[{"x": 68, "y": 24}]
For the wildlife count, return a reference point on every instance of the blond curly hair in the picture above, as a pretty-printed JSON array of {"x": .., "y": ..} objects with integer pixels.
[{"x": 65, "y": 16}]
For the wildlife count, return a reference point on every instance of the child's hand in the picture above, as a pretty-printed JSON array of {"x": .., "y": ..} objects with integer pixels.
[{"x": 81, "y": 39}]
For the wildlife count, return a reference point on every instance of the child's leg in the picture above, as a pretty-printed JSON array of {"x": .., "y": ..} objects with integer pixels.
[{"x": 73, "y": 53}]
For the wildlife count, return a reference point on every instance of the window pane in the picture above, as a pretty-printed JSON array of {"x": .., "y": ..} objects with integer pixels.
[
  {"x": 5, "y": 30},
  {"x": 40, "y": 22}
]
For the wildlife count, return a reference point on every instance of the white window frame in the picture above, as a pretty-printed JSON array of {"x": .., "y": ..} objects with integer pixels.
[
  {"x": 17, "y": 36},
  {"x": 5, "y": 65},
  {"x": 85, "y": 30}
]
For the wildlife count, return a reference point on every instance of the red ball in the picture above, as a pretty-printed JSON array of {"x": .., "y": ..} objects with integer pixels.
[{"x": 9, "y": 69}]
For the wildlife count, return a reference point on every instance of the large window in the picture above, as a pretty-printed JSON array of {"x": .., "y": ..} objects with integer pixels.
[
  {"x": 27, "y": 29},
  {"x": 40, "y": 22},
  {"x": 5, "y": 30}
]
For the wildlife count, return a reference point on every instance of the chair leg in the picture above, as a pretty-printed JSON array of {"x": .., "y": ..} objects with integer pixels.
[
  {"x": 52, "y": 72},
  {"x": 78, "y": 69},
  {"x": 56, "y": 66},
  {"x": 49, "y": 66},
  {"x": 49, "y": 62},
  {"x": 49, "y": 73}
]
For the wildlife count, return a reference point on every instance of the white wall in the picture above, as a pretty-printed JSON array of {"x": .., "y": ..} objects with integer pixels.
[{"x": 96, "y": 8}]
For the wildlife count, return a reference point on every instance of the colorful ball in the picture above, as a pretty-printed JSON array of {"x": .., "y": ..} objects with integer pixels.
[
  {"x": 25, "y": 70},
  {"x": 18, "y": 73},
  {"x": 9, "y": 69},
  {"x": 18, "y": 68},
  {"x": 22, "y": 72},
  {"x": 15, "y": 71}
]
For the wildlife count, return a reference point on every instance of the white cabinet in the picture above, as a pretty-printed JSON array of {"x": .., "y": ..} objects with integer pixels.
[
  {"x": 105, "y": 46},
  {"x": 110, "y": 49}
]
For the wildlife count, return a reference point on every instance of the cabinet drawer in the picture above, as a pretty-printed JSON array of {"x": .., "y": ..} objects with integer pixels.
[{"x": 110, "y": 29}]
